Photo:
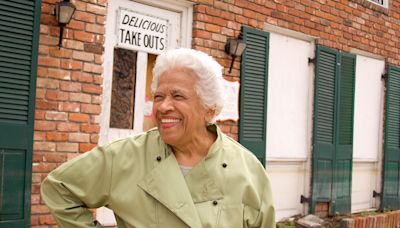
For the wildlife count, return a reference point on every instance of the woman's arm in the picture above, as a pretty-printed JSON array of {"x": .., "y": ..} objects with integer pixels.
[{"x": 77, "y": 185}]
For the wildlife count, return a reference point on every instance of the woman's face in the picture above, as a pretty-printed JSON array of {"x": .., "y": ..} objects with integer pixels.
[{"x": 178, "y": 110}]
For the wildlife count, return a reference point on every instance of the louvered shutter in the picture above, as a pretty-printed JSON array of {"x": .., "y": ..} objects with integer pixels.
[
  {"x": 19, "y": 32},
  {"x": 344, "y": 135},
  {"x": 324, "y": 125},
  {"x": 333, "y": 129},
  {"x": 253, "y": 92},
  {"x": 391, "y": 168}
]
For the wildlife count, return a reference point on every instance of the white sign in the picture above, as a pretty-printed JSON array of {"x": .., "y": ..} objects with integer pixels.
[
  {"x": 231, "y": 106},
  {"x": 141, "y": 32}
]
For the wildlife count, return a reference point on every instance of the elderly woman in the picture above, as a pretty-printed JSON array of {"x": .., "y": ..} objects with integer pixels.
[{"x": 184, "y": 173}]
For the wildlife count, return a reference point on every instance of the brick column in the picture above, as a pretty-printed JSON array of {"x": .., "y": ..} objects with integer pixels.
[{"x": 68, "y": 94}]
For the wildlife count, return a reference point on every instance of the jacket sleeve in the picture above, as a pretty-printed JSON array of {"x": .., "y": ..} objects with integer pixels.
[
  {"x": 77, "y": 185},
  {"x": 264, "y": 217}
]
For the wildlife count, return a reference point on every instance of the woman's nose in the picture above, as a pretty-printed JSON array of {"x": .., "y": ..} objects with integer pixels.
[{"x": 166, "y": 105}]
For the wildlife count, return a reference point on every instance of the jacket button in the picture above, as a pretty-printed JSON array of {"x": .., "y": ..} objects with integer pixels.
[
  {"x": 215, "y": 202},
  {"x": 158, "y": 158},
  {"x": 224, "y": 165}
]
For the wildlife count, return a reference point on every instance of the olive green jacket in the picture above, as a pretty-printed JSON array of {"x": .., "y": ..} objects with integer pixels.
[{"x": 140, "y": 180}]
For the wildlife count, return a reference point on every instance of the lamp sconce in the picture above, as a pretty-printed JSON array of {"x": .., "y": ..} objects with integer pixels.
[
  {"x": 234, "y": 47},
  {"x": 63, "y": 12}
]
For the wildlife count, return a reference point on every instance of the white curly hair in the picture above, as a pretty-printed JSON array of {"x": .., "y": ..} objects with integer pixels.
[{"x": 208, "y": 71}]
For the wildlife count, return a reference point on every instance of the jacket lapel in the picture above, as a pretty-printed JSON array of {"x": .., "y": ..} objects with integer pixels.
[
  {"x": 167, "y": 185},
  {"x": 201, "y": 186}
]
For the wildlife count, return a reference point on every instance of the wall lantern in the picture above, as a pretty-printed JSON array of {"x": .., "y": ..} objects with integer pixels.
[
  {"x": 234, "y": 47},
  {"x": 63, "y": 11}
]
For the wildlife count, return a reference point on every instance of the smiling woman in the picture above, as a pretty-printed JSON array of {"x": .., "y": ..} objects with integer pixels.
[{"x": 184, "y": 173}]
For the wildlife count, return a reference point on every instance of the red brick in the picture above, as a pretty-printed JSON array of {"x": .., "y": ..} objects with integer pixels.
[
  {"x": 69, "y": 107},
  {"x": 67, "y": 147},
  {"x": 67, "y": 127},
  {"x": 56, "y": 136},
  {"x": 40, "y": 209},
  {"x": 213, "y": 28},
  {"x": 39, "y": 114},
  {"x": 46, "y": 220},
  {"x": 98, "y": 80},
  {"x": 54, "y": 157},
  {"x": 70, "y": 86},
  {"x": 90, "y": 108},
  {"x": 60, "y": 52},
  {"x": 99, "y": 29},
  {"x": 55, "y": 95},
  {"x": 82, "y": 77},
  {"x": 83, "y": 56},
  {"x": 101, "y": 10},
  {"x": 79, "y": 117},
  {"x": 48, "y": 40},
  {"x": 92, "y": 68},
  {"x": 40, "y": 93},
  {"x": 94, "y": 138},
  {"x": 71, "y": 64},
  {"x": 96, "y": 99},
  {"x": 44, "y": 125},
  {"x": 73, "y": 44},
  {"x": 43, "y": 167},
  {"x": 79, "y": 137},
  {"x": 93, "y": 89},
  {"x": 48, "y": 61},
  {"x": 84, "y": 147},
  {"x": 88, "y": 128},
  {"x": 39, "y": 136},
  {"x": 47, "y": 83},
  {"x": 35, "y": 199},
  {"x": 51, "y": 115},
  {"x": 80, "y": 97},
  {"x": 84, "y": 36},
  {"x": 76, "y": 25}
]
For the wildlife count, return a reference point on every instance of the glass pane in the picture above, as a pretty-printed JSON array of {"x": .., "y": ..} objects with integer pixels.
[
  {"x": 148, "y": 121},
  {"x": 123, "y": 89}
]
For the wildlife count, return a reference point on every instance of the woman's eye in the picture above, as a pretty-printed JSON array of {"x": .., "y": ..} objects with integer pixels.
[
  {"x": 179, "y": 97},
  {"x": 157, "y": 97}
]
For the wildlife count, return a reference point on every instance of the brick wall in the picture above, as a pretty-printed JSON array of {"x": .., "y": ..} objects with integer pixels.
[
  {"x": 343, "y": 25},
  {"x": 386, "y": 220},
  {"x": 68, "y": 94},
  {"x": 69, "y": 79}
]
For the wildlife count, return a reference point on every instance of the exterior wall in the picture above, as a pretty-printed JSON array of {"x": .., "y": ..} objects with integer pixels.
[
  {"x": 68, "y": 93},
  {"x": 69, "y": 79}
]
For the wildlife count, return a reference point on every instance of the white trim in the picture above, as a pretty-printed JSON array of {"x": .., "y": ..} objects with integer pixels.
[
  {"x": 366, "y": 54},
  {"x": 290, "y": 33}
]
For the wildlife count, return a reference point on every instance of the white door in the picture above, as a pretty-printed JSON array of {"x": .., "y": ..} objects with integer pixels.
[{"x": 176, "y": 16}]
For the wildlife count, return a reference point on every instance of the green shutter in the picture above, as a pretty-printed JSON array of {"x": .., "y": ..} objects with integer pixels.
[
  {"x": 333, "y": 129},
  {"x": 19, "y": 33},
  {"x": 253, "y": 92},
  {"x": 344, "y": 135},
  {"x": 324, "y": 125},
  {"x": 390, "y": 197}
]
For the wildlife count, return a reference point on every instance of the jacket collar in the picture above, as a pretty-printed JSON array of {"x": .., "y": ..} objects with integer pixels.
[{"x": 167, "y": 185}]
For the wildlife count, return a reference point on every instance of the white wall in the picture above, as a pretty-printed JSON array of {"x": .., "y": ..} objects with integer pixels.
[
  {"x": 368, "y": 130},
  {"x": 289, "y": 118},
  {"x": 290, "y": 79},
  {"x": 367, "y": 108}
]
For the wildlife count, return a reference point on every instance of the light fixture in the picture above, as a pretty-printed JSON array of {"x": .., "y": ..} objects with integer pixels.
[
  {"x": 63, "y": 11},
  {"x": 234, "y": 47}
]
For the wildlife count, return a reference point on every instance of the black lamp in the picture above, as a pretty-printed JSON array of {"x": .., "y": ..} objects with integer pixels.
[
  {"x": 63, "y": 11},
  {"x": 234, "y": 47}
]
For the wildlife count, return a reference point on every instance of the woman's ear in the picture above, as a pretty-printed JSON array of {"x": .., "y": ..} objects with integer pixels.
[{"x": 210, "y": 114}]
